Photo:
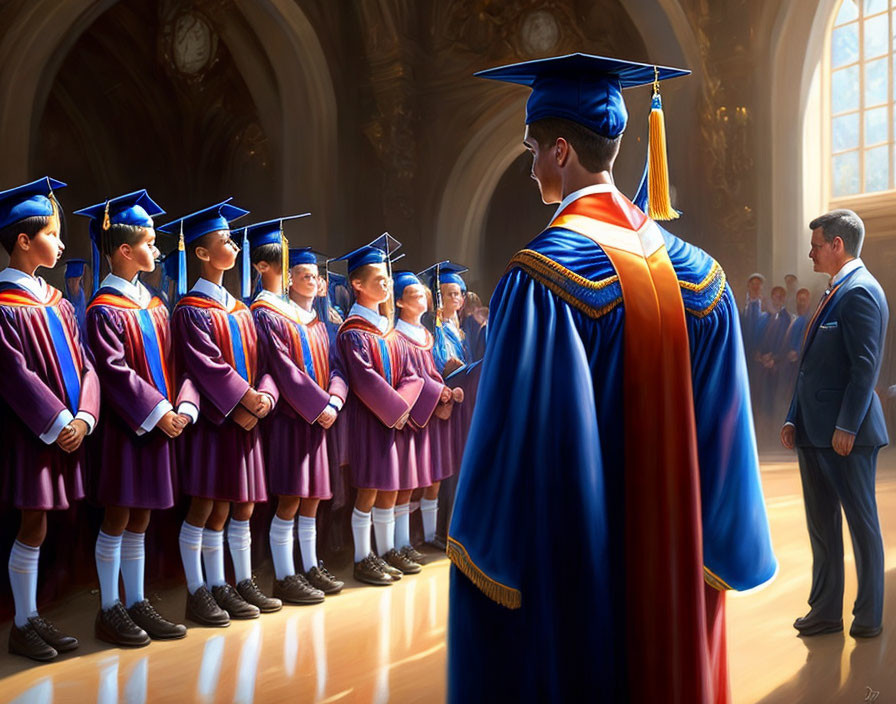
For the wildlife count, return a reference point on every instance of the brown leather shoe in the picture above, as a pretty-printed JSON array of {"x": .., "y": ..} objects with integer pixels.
[
  {"x": 52, "y": 635},
  {"x": 296, "y": 590},
  {"x": 230, "y": 600},
  {"x": 26, "y": 641},
  {"x": 146, "y": 617},
  {"x": 437, "y": 543},
  {"x": 369, "y": 571},
  {"x": 321, "y": 579},
  {"x": 115, "y": 626},
  {"x": 204, "y": 610},
  {"x": 393, "y": 572},
  {"x": 400, "y": 562},
  {"x": 411, "y": 553},
  {"x": 248, "y": 589}
]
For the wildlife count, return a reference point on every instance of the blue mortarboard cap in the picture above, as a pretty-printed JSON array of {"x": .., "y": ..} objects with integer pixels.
[
  {"x": 379, "y": 251},
  {"x": 191, "y": 227},
  {"x": 267, "y": 232},
  {"x": 211, "y": 219},
  {"x": 445, "y": 272},
  {"x": 74, "y": 268},
  {"x": 401, "y": 280},
  {"x": 31, "y": 200},
  {"x": 583, "y": 88},
  {"x": 302, "y": 255}
]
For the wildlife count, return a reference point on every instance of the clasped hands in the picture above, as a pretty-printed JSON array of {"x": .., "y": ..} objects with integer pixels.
[{"x": 253, "y": 406}]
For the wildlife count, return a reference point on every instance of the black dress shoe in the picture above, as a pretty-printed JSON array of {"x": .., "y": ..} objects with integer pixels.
[
  {"x": 393, "y": 572},
  {"x": 296, "y": 590},
  {"x": 52, "y": 635},
  {"x": 204, "y": 610},
  {"x": 144, "y": 615},
  {"x": 857, "y": 631},
  {"x": 437, "y": 544},
  {"x": 249, "y": 590},
  {"x": 115, "y": 626},
  {"x": 811, "y": 626},
  {"x": 400, "y": 562},
  {"x": 26, "y": 641},
  {"x": 369, "y": 571},
  {"x": 229, "y": 599},
  {"x": 320, "y": 578},
  {"x": 412, "y": 554}
]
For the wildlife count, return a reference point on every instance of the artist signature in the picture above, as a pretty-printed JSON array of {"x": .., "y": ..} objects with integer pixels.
[{"x": 871, "y": 695}]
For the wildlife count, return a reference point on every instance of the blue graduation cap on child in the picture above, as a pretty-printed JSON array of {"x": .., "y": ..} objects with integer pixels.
[
  {"x": 587, "y": 90},
  {"x": 258, "y": 235},
  {"x": 74, "y": 268},
  {"x": 191, "y": 227},
  {"x": 35, "y": 199},
  {"x": 379, "y": 251},
  {"x": 136, "y": 209},
  {"x": 401, "y": 280},
  {"x": 445, "y": 272}
]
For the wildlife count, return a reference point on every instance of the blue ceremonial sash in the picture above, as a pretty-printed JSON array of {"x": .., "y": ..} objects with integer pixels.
[
  {"x": 239, "y": 355},
  {"x": 70, "y": 376},
  {"x": 387, "y": 365},
  {"x": 307, "y": 358},
  {"x": 153, "y": 350}
]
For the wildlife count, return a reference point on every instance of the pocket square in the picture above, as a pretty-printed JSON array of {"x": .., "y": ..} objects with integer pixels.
[{"x": 829, "y": 326}]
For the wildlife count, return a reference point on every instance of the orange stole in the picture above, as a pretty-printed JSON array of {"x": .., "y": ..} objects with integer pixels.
[
  {"x": 318, "y": 342},
  {"x": 676, "y": 652},
  {"x": 221, "y": 330},
  {"x": 384, "y": 352},
  {"x": 22, "y": 299}
]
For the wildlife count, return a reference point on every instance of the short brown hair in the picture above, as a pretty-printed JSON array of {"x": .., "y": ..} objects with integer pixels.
[
  {"x": 28, "y": 226},
  {"x": 596, "y": 153}
]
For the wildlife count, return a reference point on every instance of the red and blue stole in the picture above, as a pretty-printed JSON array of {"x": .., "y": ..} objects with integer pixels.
[
  {"x": 385, "y": 350},
  {"x": 234, "y": 332},
  {"x": 146, "y": 336},
  {"x": 309, "y": 345},
  {"x": 61, "y": 336}
]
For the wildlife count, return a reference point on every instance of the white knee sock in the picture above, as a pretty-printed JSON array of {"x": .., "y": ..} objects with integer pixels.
[
  {"x": 108, "y": 562},
  {"x": 361, "y": 534},
  {"x": 308, "y": 541},
  {"x": 133, "y": 559},
  {"x": 281, "y": 547},
  {"x": 384, "y": 529},
  {"x": 240, "y": 542},
  {"x": 402, "y": 526},
  {"x": 23, "y": 561},
  {"x": 213, "y": 557},
  {"x": 429, "y": 511},
  {"x": 190, "y": 555}
]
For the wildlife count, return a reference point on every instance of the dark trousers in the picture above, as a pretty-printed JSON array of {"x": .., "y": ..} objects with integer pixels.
[{"x": 829, "y": 483}]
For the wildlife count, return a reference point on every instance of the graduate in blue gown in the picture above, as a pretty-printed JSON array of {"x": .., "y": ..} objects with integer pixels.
[{"x": 609, "y": 493}]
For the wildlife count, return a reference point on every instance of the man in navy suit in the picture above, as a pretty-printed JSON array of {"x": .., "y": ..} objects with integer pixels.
[{"x": 837, "y": 425}]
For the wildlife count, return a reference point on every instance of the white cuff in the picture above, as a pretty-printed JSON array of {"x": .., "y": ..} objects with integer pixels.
[
  {"x": 790, "y": 424},
  {"x": 851, "y": 432},
  {"x": 63, "y": 419},
  {"x": 162, "y": 407},
  {"x": 189, "y": 410},
  {"x": 87, "y": 418},
  {"x": 336, "y": 403}
]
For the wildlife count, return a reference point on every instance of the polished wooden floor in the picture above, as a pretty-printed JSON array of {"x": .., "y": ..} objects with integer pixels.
[{"x": 388, "y": 644}]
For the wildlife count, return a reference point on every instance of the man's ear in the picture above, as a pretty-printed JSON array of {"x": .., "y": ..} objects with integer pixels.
[{"x": 202, "y": 254}]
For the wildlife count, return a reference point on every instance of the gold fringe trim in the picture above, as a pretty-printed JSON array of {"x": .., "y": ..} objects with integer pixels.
[
  {"x": 715, "y": 273},
  {"x": 497, "y": 592},
  {"x": 546, "y": 271},
  {"x": 713, "y": 580}
]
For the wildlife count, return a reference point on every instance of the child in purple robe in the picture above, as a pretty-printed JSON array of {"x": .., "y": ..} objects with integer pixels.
[
  {"x": 222, "y": 463},
  {"x": 294, "y": 348},
  {"x": 431, "y": 426},
  {"x": 133, "y": 472},
  {"x": 49, "y": 400},
  {"x": 384, "y": 388}
]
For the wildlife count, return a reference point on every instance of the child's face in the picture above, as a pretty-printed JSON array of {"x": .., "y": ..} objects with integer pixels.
[
  {"x": 220, "y": 250},
  {"x": 413, "y": 301},
  {"x": 143, "y": 252},
  {"x": 45, "y": 248},
  {"x": 321, "y": 286},
  {"x": 452, "y": 298},
  {"x": 375, "y": 285},
  {"x": 305, "y": 280}
]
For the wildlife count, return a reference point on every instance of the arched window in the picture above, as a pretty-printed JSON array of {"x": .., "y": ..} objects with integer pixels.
[{"x": 862, "y": 93}]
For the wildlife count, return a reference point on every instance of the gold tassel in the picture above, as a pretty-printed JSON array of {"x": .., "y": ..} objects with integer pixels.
[
  {"x": 284, "y": 259},
  {"x": 106, "y": 222},
  {"x": 659, "y": 201}
]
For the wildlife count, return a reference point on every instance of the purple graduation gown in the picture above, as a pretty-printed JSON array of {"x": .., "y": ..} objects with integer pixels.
[
  {"x": 220, "y": 460},
  {"x": 384, "y": 386},
  {"x": 33, "y": 392},
  {"x": 131, "y": 469},
  {"x": 297, "y": 357}
]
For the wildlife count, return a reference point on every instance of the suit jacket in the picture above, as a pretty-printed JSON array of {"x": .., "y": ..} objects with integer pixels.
[{"x": 839, "y": 366}]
